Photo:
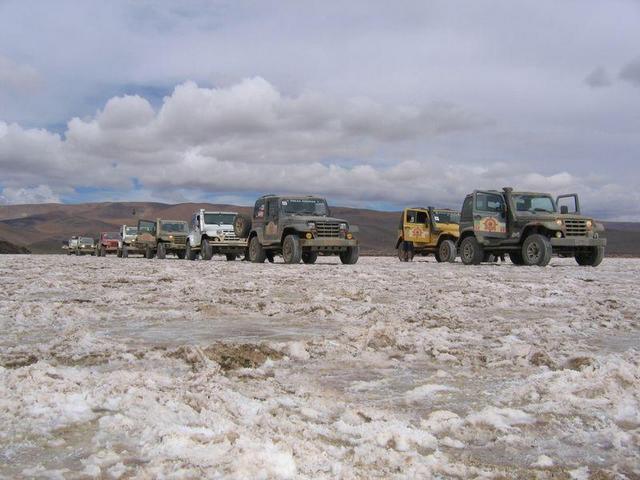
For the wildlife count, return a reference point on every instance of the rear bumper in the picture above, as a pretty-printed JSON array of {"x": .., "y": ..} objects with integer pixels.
[
  {"x": 570, "y": 242},
  {"x": 321, "y": 243}
]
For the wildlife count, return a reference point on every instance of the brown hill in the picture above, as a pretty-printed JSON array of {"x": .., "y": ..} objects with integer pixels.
[
  {"x": 44, "y": 227},
  {"x": 6, "y": 247}
]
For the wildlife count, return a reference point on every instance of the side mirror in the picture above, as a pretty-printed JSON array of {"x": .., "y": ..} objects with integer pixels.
[{"x": 564, "y": 209}]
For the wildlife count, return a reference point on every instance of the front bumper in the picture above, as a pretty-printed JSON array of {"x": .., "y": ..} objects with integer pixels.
[
  {"x": 328, "y": 242},
  {"x": 569, "y": 242},
  {"x": 175, "y": 246},
  {"x": 86, "y": 249}
]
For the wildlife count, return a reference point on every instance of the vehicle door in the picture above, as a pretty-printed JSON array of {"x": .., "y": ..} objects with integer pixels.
[
  {"x": 272, "y": 210},
  {"x": 490, "y": 215},
  {"x": 416, "y": 226},
  {"x": 195, "y": 233}
]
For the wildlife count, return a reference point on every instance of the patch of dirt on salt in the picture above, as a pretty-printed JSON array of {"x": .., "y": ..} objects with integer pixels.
[
  {"x": 229, "y": 357},
  {"x": 18, "y": 360}
]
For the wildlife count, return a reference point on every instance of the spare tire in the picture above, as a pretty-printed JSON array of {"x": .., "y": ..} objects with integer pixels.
[{"x": 242, "y": 225}]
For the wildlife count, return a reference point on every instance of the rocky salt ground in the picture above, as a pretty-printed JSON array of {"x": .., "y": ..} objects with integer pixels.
[{"x": 173, "y": 369}]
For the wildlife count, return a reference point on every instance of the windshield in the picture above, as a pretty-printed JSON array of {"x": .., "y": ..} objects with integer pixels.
[
  {"x": 173, "y": 226},
  {"x": 86, "y": 240},
  {"x": 446, "y": 217},
  {"x": 219, "y": 218},
  {"x": 130, "y": 230},
  {"x": 306, "y": 206},
  {"x": 111, "y": 236},
  {"x": 532, "y": 203}
]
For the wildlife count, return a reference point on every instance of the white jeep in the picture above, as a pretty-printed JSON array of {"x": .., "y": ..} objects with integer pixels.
[{"x": 211, "y": 233}]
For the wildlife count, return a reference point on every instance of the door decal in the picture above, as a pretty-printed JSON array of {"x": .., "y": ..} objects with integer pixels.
[{"x": 490, "y": 225}]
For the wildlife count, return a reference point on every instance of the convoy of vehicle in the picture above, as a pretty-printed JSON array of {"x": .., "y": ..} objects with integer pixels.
[{"x": 530, "y": 227}]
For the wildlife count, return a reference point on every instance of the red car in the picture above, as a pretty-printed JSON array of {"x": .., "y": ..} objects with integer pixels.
[{"x": 107, "y": 243}]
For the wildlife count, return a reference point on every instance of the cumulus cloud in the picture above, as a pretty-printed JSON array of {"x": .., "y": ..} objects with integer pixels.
[
  {"x": 17, "y": 77},
  {"x": 37, "y": 194},
  {"x": 598, "y": 78},
  {"x": 631, "y": 72}
]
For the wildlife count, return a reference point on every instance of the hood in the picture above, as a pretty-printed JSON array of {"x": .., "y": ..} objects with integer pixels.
[
  {"x": 314, "y": 218},
  {"x": 551, "y": 217}
]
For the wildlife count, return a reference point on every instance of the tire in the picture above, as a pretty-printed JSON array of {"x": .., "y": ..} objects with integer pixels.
[
  {"x": 270, "y": 256},
  {"x": 536, "y": 250},
  {"x": 405, "y": 251},
  {"x": 103, "y": 251},
  {"x": 516, "y": 258},
  {"x": 206, "y": 251},
  {"x": 350, "y": 255},
  {"x": 471, "y": 252},
  {"x": 446, "y": 251},
  {"x": 125, "y": 251},
  {"x": 161, "y": 251},
  {"x": 231, "y": 257},
  {"x": 291, "y": 249},
  {"x": 591, "y": 257},
  {"x": 119, "y": 253},
  {"x": 148, "y": 252},
  {"x": 181, "y": 254},
  {"x": 309, "y": 257},
  {"x": 189, "y": 254},
  {"x": 256, "y": 252},
  {"x": 242, "y": 226}
]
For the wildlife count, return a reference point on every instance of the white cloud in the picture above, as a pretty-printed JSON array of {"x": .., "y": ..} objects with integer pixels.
[
  {"x": 17, "y": 77},
  {"x": 37, "y": 194}
]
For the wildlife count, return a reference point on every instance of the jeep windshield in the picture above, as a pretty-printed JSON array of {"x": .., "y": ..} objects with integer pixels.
[
  {"x": 173, "y": 227},
  {"x": 533, "y": 203},
  {"x": 219, "y": 218},
  {"x": 304, "y": 206},
  {"x": 111, "y": 236},
  {"x": 131, "y": 230},
  {"x": 85, "y": 241},
  {"x": 446, "y": 217}
]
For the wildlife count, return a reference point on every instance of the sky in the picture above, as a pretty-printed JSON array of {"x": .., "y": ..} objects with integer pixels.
[{"x": 371, "y": 104}]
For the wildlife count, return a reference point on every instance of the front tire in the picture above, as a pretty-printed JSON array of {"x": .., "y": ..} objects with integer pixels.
[
  {"x": 591, "y": 257},
  {"x": 309, "y": 257},
  {"x": 162, "y": 251},
  {"x": 125, "y": 251},
  {"x": 181, "y": 254},
  {"x": 446, "y": 252},
  {"x": 471, "y": 252},
  {"x": 405, "y": 251},
  {"x": 206, "y": 252},
  {"x": 103, "y": 251},
  {"x": 256, "y": 252},
  {"x": 350, "y": 255},
  {"x": 536, "y": 250},
  {"x": 291, "y": 249},
  {"x": 190, "y": 254},
  {"x": 148, "y": 252}
]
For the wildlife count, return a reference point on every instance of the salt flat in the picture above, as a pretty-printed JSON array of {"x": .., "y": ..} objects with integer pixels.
[{"x": 145, "y": 368}]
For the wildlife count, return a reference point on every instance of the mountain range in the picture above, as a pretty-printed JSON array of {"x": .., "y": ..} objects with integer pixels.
[{"x": 42, "y": 228}]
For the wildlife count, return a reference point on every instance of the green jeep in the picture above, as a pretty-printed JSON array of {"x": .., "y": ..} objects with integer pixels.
[
  {"x": 529, "y": 226},
  {"x": 160, "y": 237},
  {"x": 298, "y": 228}
]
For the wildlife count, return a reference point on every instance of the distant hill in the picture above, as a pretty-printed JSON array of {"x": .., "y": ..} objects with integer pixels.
[
  {"x": 6, "y": 247},
  {"x": 43, "y": 228}
]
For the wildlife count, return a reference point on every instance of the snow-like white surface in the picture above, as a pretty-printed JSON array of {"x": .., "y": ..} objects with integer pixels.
[{"x": 378, "y": 370}]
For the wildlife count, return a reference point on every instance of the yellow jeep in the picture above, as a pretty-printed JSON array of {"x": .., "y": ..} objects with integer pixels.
[{"x": 428, "y": 230}]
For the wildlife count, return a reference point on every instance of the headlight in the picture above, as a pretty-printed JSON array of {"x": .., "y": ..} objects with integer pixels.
[
  {"x": 311, "y": 225},
  {"x": 589, "y": 224},
  {"x": 170, "y": 237},
  {"x": 343, "y": 226},
  {"x": 558, "y": 222}
]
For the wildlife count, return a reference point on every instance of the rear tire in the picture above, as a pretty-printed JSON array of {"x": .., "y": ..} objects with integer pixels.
[
  {"x": 189, "y": 254},
  {"x": 270, "y": 256},
  {"x": 148, "y": 252},
  {"x": 256, "y": 252},
  {"x": 471, "y": 252},
  {"x": 309, "y": 257},
  {"x": 591, "y": 257},
  {"x": 516, "y": 258},
  {"x": 405, "y": 251},
  {"x": 206, "y": 251},
  {"x": 350, "y": 255},
  {"x": 446, "y": 251},
  {"x": 291, "y": 249},
  {"x": 536, "y": 250},
  {"x": 125, "y": 251},
  {"x": 161, "y": 253},
  {"x": 231, "y": 257},
  {"x": 242, "y": 226},
  {"x": 181, "y": 254},
  {"x": 103, "y": 251}
]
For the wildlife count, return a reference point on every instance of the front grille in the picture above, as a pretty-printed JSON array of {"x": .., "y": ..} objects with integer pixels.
[
  {"x": 230, "y": 236},
  {"x": 179, "y": 239},
  {"x": 576, "y": 228},
  {"x": 328, "y": 229}
]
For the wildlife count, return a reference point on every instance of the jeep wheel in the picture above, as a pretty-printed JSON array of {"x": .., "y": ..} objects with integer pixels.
[
  {"x": 256, "y": 252},
  {"x": 125, "y": 251},
  {"x": 242, "y": 226},
  {"x": 309, "y": 257},
  {"x": 271, "y": 257},
  {"x": 206, "y": 251},
  {"x": 591, "y": 257},
  {"x": 405, "y": 251},
  {"x": 231, "y": 257},
  {"x": 119, "y": 253},
  {"x": 291, "y": 249},
  {"x": 161, "y": 251},
  {"x": 350, "y": 255},
  {"x": 180, "y": 254},
  {"x": 471, "y": 252},
  {"x": 148, "y": 252},
  {"x": 536, "y": 250},
  {"x": 516, "y": 258},
  {"x": 103, "y": 251},
  {"x": 189, "y": 254},
  {"x": 446, "y": 251}
]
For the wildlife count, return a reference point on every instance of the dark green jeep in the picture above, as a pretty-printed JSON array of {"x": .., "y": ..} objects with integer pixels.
[
  {"x": 298, "y": 228},
  {"x": 529, "y": 226},
  {"x": 159, "y": 238}
]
